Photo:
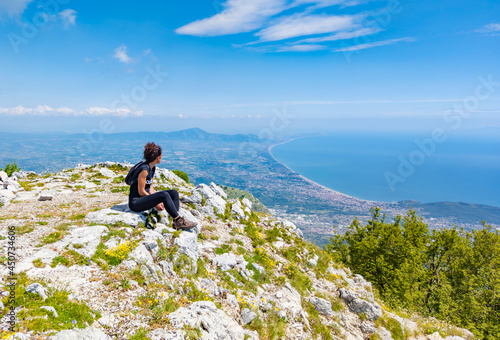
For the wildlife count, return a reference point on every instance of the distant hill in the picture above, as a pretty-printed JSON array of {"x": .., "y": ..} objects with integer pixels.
[
  {"x": 188, "y": 134},
  {"x": 456, "y": 211}
]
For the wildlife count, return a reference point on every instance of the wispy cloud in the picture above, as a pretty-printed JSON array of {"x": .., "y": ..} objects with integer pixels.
[
  {"x": 121, "y": 54},
  {"x": 13, "y": 7},
  {"x": 298, "y": 25},
  {"x": 46, "y": 110},
  {"x": 490, "y": 29},
  {"x": 68, "y": 17},
  {"x": 238, "y": 16},
  {"x": 373, "y": 44},
  {"x": 344, "y": 35},
  {"x": 301, "y": 48},
  {"x": 274, "y": 21}
]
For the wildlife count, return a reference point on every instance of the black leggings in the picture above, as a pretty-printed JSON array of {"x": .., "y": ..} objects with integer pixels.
[{"x": 169, "y": 198}]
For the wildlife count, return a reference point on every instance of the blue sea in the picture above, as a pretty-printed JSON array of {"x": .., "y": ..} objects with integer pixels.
[{"x": 393, "y": 168}]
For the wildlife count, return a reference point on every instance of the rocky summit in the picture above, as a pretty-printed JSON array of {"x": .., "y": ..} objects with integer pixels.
[{"x": 87, "y": 268}]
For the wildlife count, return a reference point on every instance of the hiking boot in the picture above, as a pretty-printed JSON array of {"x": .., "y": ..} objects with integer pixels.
[{"x": 183, "y": 224}]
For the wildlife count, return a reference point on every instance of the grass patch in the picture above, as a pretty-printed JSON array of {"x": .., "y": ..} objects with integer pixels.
[
  {"x": 38, "y": 263},
  {"x": 26, "y": 229},
  {"x": 225, "y": 248},
  {"x": 51, "y": 238},
  {"x": 33, "y": 318}
]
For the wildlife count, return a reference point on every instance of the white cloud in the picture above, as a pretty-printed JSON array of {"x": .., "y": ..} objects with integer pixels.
[
  {"x": 68, "y": 17},
  {"x": 102, "y": 111},
  {"x": 121, "y": 54},
  {"x": 20, "y": 110},
  {"x": 65, "y": 111},
  {"x": 238, "y": 16},
  {"x": 490, "y": 29},
  {"x": 43, "y": 109},
  {"x": 344, "y": 35},
  {"x": 46, "y": 110},
  {"x": 146, "y": 52},
  {"x": 297, "y": 25},
  {"x": 373, "y": 44},
  {"x": 13, "y": 7}
]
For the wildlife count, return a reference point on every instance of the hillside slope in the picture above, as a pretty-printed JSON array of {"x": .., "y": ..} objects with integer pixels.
[{"x": 88, "y": 269}]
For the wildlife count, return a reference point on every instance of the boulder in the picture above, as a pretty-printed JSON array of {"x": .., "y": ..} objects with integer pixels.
[
  {"x": 88, "y": 237},
  {"x": 141, "y": 255},
  {"x": 289, "y": 300},
  {"x": 218, "y": 203},
  {"x": 5, "y": 196},
  {"x": 218, "y": 190},
  {"x": 151, "y": 239},
  {"x": 188, "y": 244},
  {"x": 372, "y": 311},
  {"x": 323, "y": 306},
  {"x": 227, "y": 261},
  {"x": 212, "y": 322},
  {"x": 247, "y": 202},
  {"x": 205, "y": 190},
  {"x": 115, "y": 214},
  {"x": 237, "y": 210},
  {"x": 194, "y": 198}
]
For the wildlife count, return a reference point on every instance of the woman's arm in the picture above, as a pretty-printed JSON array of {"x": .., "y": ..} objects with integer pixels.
[{"x": 141, "y": 183}]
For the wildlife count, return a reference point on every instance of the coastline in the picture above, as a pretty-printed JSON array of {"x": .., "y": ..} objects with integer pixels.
[{"x": 310, "y": 181}]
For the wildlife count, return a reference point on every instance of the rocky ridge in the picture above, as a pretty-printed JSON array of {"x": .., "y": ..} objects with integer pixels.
[{"x": 88, "y": 269}]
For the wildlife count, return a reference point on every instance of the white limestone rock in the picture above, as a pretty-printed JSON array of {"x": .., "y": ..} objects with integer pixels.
[
  {"x": 46, "y": 195},
  {"x": 247, "y": 202},
  {"x": 88, "y": 333},
  {"x": 44, "y": 254},
  {"x": 88, "y": 237},
  {"x": 218, "y": 190},
  {"x": 141, "y": 255},
  {"x": 107, "y": 173},
  {"x": 117, "y": 213},
  {"x": 3, "y": 176},
  {"x": 188, "y": 244},
  {"x": 227, "y": 261},
  {"x": 213, "y": 322},
  {"x": 37, "y": 288}
]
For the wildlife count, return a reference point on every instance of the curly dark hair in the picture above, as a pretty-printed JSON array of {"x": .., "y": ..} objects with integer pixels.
[{"x": 151, "y": 152}]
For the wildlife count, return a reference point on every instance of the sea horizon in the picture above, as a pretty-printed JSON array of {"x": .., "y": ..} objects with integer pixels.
[{"x": 317, "y": 173}]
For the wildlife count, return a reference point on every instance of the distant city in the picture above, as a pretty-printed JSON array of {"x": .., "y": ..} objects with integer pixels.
[{"x": 240, "y": 161}]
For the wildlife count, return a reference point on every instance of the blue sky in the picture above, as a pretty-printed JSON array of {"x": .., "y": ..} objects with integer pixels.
[{"x": 237, "y": 65}]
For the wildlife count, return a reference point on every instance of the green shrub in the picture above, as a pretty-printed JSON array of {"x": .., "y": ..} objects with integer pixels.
[
  {"x": 10, "y": 168},
  {"x": 182, "y": 175}
]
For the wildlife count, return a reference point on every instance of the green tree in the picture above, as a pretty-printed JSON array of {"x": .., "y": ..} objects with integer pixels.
[{"x": 451, "y": 274}]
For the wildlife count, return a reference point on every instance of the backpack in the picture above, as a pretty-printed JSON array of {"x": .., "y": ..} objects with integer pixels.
[{"x": 131, "y": 172}]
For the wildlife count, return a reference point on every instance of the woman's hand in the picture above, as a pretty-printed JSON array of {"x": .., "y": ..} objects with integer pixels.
[{"x": 160, "y": 207}]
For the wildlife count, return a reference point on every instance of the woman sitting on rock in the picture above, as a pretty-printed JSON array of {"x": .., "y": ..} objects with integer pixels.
[{"x": 142, "y": 194}]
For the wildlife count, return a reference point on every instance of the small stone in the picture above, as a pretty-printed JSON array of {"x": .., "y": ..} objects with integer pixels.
[
  {"x": 37, "y": 288},
  {"x": 247, "y": 316},
  {"x": 46, "y": 195}
]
